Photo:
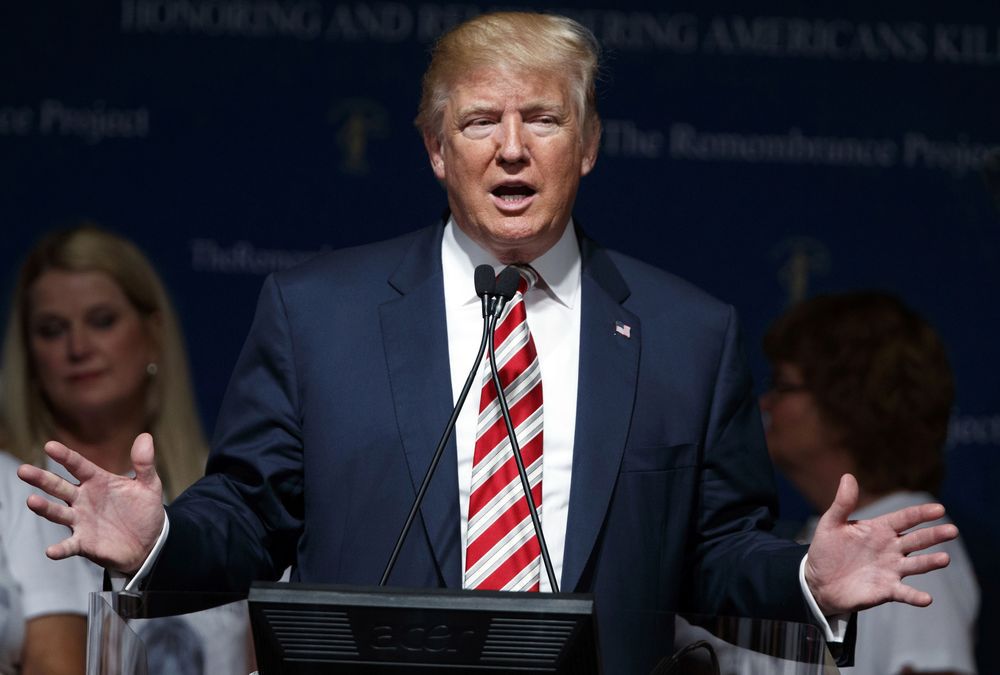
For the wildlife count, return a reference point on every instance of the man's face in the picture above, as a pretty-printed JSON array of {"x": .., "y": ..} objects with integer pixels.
[{"x": 511, "y": 154}]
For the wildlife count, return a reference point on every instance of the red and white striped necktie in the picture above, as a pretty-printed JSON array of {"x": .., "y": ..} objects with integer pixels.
[{"x": 502, "y": 549}]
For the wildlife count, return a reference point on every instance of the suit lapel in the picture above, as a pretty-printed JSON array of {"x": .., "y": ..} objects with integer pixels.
[
  {"x": 609, "y": 363},
  {"x": 414, "y": 334}
]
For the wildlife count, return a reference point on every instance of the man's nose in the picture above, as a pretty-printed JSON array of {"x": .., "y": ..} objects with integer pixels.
[{"x": 512, "y": 141}]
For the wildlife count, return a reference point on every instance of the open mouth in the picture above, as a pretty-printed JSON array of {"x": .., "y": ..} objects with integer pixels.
[{"x": 512, "y": 196}]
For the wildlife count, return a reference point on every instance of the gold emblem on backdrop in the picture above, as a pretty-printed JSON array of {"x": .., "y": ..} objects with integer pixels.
[
  {"x": 800, "y": 259},
  {"x": 357, "y": 121}
]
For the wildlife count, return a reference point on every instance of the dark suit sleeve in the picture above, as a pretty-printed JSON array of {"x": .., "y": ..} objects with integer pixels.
[
  {"x": 740, "y": 568},
  {"x": 241, "y": 522}
]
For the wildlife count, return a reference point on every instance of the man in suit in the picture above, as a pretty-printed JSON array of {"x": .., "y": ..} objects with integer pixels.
[{"x": 657, "y": 492}]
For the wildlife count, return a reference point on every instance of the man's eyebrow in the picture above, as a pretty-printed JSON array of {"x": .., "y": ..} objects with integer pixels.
[
  {"x": 477, "y": 109},
  {"x": 528, "y": 107},
  {"x": 543, "y": 105}
]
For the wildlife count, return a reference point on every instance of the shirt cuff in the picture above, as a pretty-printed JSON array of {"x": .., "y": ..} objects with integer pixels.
[
  {"x": 122, "y": 582},
  {"x": 834, "y": 627}
]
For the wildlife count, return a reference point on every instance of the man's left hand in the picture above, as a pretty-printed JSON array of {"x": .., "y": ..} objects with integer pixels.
[{"x": 854, "y": 565}]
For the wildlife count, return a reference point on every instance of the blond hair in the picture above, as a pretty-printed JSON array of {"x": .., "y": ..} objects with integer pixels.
[
  {"x": 171, "y": 418},
  {"x": 516, "y": 41}
]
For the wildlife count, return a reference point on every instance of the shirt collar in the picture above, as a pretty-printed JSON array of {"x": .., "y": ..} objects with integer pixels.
[{"x": 559, "y": 267}]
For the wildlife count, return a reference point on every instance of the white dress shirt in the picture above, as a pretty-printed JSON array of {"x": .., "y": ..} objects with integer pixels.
[{"x": 553, "y": 311}]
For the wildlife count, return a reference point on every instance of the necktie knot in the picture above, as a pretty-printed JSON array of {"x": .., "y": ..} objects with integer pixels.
[{"x": 529, "y": 278}]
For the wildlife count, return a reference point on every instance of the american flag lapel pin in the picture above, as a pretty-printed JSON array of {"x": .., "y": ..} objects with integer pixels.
[{"x": 623, "y": 329}]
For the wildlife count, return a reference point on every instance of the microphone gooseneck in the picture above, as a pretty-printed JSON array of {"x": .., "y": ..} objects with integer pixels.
[
  {"x": 484, "y": 289},
  {"x": 506, "y": 288}
]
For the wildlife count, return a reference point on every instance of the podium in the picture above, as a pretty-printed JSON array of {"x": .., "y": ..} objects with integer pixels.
[
  {"x": 302, "y": 630},
  {"x": 313, "y": 629}
]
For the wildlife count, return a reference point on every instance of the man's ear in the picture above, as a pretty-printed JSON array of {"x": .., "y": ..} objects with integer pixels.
[
  {"x": 435, "y": 153},
  {"x": 591, "y": 144}
]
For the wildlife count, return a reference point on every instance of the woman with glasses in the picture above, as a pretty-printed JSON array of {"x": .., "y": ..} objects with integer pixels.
[{"x": 861, "y": 384}]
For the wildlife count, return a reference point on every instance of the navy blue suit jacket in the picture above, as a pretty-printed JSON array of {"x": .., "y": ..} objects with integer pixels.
[{"x": 341, "y": 393}]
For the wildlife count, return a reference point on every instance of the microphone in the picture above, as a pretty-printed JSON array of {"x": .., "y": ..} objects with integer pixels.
[
  {"x": 506, "y": 288},
  {"x": 486, "y": 283},
  {"x": 485, "y": 286}
]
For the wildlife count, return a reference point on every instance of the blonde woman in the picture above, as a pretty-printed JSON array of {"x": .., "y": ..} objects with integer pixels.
[{"x": 93, "y": 356}]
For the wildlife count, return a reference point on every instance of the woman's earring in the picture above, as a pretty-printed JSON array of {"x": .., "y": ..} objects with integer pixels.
[{"x": 152, "y": 369}]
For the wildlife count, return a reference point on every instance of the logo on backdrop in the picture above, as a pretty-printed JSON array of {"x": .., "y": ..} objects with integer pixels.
[
  {"x": 91, "y": 123},
  {"x": 800, "y": 259},
  {"x": 357, "y": 121}
]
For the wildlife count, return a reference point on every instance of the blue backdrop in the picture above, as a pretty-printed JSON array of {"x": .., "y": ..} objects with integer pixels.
[{"x": 764, "y": 153}]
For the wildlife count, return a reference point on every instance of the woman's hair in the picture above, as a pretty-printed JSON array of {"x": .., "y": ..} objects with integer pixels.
[
  {"x": 880, "y": 377},
  {"x": 539, "y": 43},
  {"x": 171, "y": 416}
]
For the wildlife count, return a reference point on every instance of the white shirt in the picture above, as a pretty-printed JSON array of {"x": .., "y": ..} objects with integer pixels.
[
  {"x": 553, "y": 311},
  {"x": 31, "y": 585},
  {"x": 11, "y": 618}
]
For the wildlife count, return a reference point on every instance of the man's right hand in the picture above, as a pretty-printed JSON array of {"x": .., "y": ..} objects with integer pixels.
[{"x": 115, "y": 520}]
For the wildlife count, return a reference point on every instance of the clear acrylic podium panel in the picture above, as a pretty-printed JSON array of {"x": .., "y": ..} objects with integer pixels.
[
  {"x": 752, "y": 646},
  {"x": 168, "y": 634},
  {"x": 159, "y": 633}
]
